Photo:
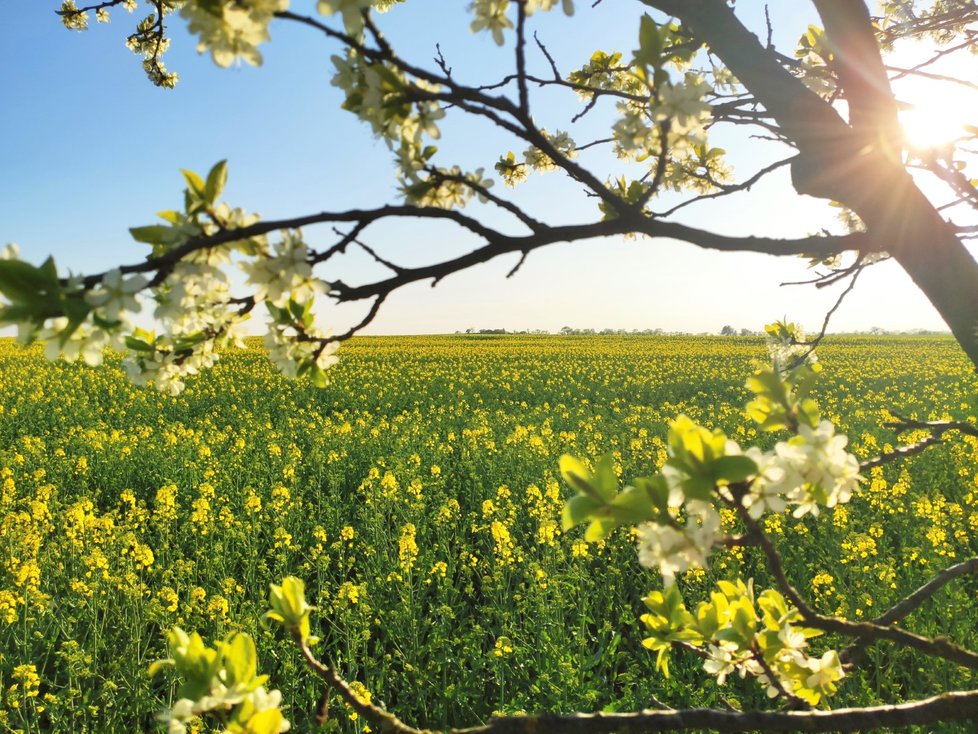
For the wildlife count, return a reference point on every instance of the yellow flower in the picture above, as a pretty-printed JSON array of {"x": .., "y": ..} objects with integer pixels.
[
  {"x": 363, "y": 694},
  {"x": 253, "y": 502},
  {"x": 168, "y": 598},
  {"x": 218, "y": 608},
  {"x": 503, "y": 647},
  {"x": 282, "y": 538},
  {"x": 26, "y": 676},
  {"x": 407, "y": 547},
  {"x": 8, "y": 606},
  {"x": 503, "y": 542},
  {"x": 166, "y": 503}
]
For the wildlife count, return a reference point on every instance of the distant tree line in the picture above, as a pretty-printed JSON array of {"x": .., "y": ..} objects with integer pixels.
[{"x": 727, "y": 330}]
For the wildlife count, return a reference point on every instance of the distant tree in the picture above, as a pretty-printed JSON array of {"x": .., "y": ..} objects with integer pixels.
[
  {"x": 697, "y": 70},
  {"x": 728, "y": 331}
]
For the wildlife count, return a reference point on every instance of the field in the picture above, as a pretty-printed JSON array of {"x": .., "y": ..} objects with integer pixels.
[{"x": 418, "y": 497}]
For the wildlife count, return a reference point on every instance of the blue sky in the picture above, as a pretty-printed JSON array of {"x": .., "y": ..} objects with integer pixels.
[{"x": 91, "y": 148}]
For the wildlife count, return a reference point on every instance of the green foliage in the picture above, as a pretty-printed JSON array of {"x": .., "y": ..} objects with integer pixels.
[{"x": 289, "y": 607}]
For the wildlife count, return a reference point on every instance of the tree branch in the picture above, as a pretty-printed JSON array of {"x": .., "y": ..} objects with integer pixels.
[
  {"x": 851, "y": 37},
  {"x": 937, "y": 429},
  {"x": 869, "y": 631},
  {"x": 496, "y": 243},
  {"x": 910, "y": 603},
  {"x": 950, "y": 706}
]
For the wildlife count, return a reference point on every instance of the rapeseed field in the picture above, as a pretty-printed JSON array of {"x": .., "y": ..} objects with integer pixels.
[{"x": 418, "y": 497}]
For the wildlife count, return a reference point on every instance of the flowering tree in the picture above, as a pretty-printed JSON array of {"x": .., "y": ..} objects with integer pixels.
[{"x": 697, "y": 69}]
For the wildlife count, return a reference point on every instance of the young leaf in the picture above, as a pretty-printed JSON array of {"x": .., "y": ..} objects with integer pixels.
[
  {"x": 153, "y": 234},
  {"x": 216, "y": 179},
  {"x": 194, "y": 182},
  {"x": 578, "y": 477},
  {"x": 733, "y": 469},
  {"x": 578, "y": 509}
]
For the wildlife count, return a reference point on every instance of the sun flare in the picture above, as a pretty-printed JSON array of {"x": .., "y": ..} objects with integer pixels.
[
  {"x": 936, "y": 110},
  {"x": 934, "y": 124}
]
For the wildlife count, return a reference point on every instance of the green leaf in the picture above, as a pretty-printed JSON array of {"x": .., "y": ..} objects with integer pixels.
[
  {"x": 194, "y": 661},
  {"x": 16, "y": 314},
  {"x": 216, "y": 179},
  {"x": 289, "y": 606},
  {"x": 649, "y": 52},
  {"x": 606, "y": 481},
  {"x": 21, "y": 282},
  {"x": 240, "y": 662},
  {"x": 578, "y": 477},
  {"x": 600, "y": 528},
  {"x": 578, "y": 509},
  {"x": 634, "y": 505},
  {"x": 734, "y": 469},
  {"x": 137, "y": 345},
  {"x": 319, "y": 377},
  {"x": 657, "y": 490},
  {"x": 194, "y": 182},
  {"x": 153, "y": 234},
  {"x": 158, "y": 665},
  {"x": 173, "y": 217},
  {"x": 50, "y": 271},
  {"x": 699, "y": 487}
]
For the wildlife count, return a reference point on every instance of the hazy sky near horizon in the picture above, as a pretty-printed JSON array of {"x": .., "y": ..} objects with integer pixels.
[{"x": 90, "y": 148}]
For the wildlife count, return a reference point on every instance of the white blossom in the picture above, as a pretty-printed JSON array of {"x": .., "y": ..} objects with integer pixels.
[
  {"x": 85, "y": 342},
  {"x": 825, "y": 671},
  {"x": 232, "y": 31},
  {"x": 286, "y": 274},
  {"x": 673, "y": 550},
  {"x": 808, "y": 471},
  {"x": 350, "y": 10},
  {"x": 533, "y": 5},
  {"x": 721, "y": 661},
  {"x": 490, "y": 15},
  {"x": 116, "y": 294}
]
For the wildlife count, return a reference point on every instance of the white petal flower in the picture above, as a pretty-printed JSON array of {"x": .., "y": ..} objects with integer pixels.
[{"x": 490, "y": 15}]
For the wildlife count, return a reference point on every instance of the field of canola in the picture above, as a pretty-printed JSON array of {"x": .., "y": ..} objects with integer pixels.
[{"x": 418, "y": 498}]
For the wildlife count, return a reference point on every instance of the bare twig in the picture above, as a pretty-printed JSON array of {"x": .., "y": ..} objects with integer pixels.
[
  {"x": 856, "y": 269},
  {"x": 937, "y": 429},
  {"x": 726, "y": 190},
  {"x": 910, "y": 603}
]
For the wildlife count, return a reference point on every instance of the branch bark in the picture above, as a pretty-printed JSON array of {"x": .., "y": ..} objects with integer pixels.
[
  {"x": 950, "y": 706},
  {"x": 838, "y": 162}
]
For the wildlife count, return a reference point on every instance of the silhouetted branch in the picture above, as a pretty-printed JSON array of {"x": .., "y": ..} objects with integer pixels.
[{"x": 728, "y": 189}]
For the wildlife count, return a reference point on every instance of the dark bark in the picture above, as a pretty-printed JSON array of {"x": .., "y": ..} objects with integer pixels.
[{"x": 855, "y": 164}]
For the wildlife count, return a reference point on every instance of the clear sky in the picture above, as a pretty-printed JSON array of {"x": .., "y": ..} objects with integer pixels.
[{"x": 91, "y": 148}]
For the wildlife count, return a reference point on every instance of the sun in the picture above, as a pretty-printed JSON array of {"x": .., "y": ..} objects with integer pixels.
[
  {"x": 935, "y": 124},
  {"x": 939, "y": 104}
]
